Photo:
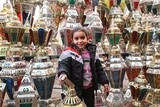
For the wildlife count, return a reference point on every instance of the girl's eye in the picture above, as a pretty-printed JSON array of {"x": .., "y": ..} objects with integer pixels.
[
  {"x": 76, "y": 38},
  {"x": 83, "y": 37}
]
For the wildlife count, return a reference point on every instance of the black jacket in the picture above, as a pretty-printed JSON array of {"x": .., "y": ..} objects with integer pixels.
[{"x": 71, "y": 63}]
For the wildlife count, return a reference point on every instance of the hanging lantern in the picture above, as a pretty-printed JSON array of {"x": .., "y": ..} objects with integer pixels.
[
  {"x": 96, "y": 28},
  {"x": 40, "y": 32},
  {"x": 113, "y": 34},
  {"x": 26, "y": 94},
  {"x": 146, "y": 5},
  {"x": 66, "y": 31},
  {"x": 116, "y": 14},
  {"x": 27, "y": 40}
]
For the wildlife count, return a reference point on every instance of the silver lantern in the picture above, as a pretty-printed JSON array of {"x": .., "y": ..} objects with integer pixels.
[
  {"x": 42, "y": 70},
  {"x": 26, "y": 94},
  {"x": 116, "y": 71},
  {"x": 96, "y": 28},
  {"x": 152, "y": 96},
  {"x": 14, "y": 68},
  {"x": 115, "y": 68}
]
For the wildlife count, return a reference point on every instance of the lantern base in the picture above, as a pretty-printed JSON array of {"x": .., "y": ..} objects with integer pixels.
[
  {"x": 10, "y": 103},
  {"x": 46, "y": 103},
  {"x": 115, "y": 98},
  {"x": 152, "y": 97},
  {"x": 136, "y": 103}
]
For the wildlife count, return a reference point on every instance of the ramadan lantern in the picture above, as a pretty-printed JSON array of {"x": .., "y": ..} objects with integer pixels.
[
  {"x": 42, "y": 71},
  {"x": 139, "y": 87},
  {"x": 14, "y": 68},
  {"x": 71, "y": 99},
  {"x": 152, "y": 96},
  {"x": 134, "y": 60},
  {"x": 115, "y": 68},
  {"x": 26, "y": 94}
]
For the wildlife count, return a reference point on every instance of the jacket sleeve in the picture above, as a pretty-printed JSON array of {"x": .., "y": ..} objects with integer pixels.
[
  {"x": 101, "y": 75},
  {"x": 64, "y": 64}
]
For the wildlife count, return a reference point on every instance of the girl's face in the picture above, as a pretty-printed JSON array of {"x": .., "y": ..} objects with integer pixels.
[{"x": 80, "y": 39}]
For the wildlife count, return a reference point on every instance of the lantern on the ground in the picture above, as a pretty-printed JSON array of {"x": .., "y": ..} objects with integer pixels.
[{"x": 26, "y": 94}]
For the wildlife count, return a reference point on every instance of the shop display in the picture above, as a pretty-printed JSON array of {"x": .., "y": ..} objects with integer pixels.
[{"x": 33, "y": 34}]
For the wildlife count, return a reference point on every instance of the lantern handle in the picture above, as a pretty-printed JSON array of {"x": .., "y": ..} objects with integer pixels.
[{"x": 68, "y": 83}]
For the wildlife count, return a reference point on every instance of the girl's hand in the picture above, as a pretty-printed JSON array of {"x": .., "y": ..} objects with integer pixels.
[
  {"x": 106, "y": 88},
  {"x": 61, "y": 78}
]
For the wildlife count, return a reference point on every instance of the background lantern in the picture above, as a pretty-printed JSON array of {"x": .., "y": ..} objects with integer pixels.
[
  {"x": 152, "y": 96},
  {"x": 115, "y": 68}
]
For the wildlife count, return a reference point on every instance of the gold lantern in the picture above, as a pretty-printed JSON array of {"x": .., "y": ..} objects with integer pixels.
[{"x": 71, "y": 99}]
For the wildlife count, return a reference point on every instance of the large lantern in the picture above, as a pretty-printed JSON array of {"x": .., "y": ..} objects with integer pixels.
[
  {"x": 115, "y": 68},
  {"x": 14, "y": 67},
  {"x": 42, "y": 70}
]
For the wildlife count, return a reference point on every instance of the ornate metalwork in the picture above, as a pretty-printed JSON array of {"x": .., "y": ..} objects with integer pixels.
[
  {"x": 26, "y": 94},
  {"x": 139, "y": 88},
  {"x": 71, "y": 99},
  {"x": 152, "y": 74}
]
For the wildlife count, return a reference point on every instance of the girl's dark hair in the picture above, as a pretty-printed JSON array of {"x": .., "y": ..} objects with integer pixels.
[{"x": 76, "y": 29}]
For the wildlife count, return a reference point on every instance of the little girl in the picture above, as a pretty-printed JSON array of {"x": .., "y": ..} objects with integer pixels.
[{"x": 81, "y": 65}]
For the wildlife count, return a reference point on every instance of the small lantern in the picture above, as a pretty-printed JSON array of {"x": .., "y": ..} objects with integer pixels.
[
  {"x": 26, "y": 94},
  {"x": 71, "y": 99},
  {"x": 139, "y": 88},
  {"x": 66, "y": 31},
  {"x": 146, "y": 6},
  {"x": 96, "y": 28},
  {"x": 116, "y": 15}
]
